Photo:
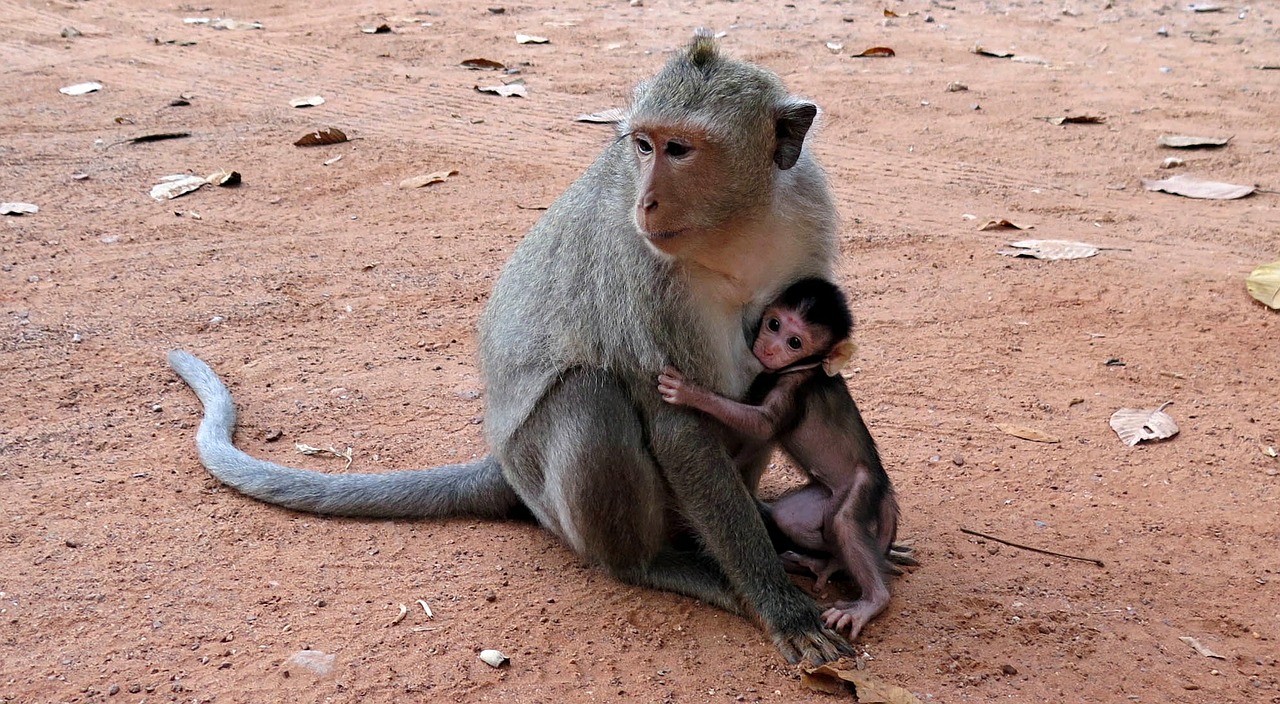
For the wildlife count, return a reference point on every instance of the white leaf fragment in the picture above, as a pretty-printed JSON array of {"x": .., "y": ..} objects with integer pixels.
[
  {"x": 1192, "y": 187},
  {"x": 510, "y": 90},
  {"x": 310, "y": 101},
  {"x": 604, "y": 117},
  {"x": 81, "y": 88},
  {"x": 531, "y": 39},
  {"x": 494, "y": 658},
  {"x": 171, "y": 187},
  {"x": 18, "y": 208},
  {"x": 1050, "y": 249},
  {"x": 1134, "y": 425}
]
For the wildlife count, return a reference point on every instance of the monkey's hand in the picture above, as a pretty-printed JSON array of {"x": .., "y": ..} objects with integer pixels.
[
  {"x": 674, "y": 389},
  {"x": 850, "y": 615}
]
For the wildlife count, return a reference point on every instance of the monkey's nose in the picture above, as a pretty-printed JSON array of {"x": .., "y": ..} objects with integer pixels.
[{"x": 649, "y": 203}]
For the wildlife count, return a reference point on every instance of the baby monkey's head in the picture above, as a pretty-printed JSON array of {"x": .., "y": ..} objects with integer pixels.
[{"x": 809, "y": 322}]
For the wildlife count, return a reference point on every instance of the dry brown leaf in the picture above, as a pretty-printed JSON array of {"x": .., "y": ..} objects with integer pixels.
[
  {"x": 507, "y": 91},
  {"x": 1075, "y": 120},
  {"x": 1021, "y": 431},
  {"x": 1264, "y": 284},
  {"x": 171, "y": 187},
  {"x": 890, "y": 13},
  {"x": 1192, "y": 187},
  {"x": 877, "y": 51},
  {"x": 997, "y": 53},
  {"x": 1134, "y": 425},
  {"x": 838, "y": 677},
  {"x": 531, "y": 39},
  {"x": 606, "y": 117},
  {"x": 310, "y": 101},
  {"x": 18, "y": 209},
  {"x": 1003, "y": 225},
  {"x": 1195, "y": 645},
  {"x": 484, "y": 65},
  {"x": 224, "y": 177},
  {"x": 1050, "y": 250},
  {"x": 328, "y": 135},
  {"x": 1182, "y": 141},
  {"x": 427, "y": 179}
]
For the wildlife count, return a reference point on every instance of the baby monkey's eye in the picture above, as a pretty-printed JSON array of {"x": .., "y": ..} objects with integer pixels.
[
  {"x": 774, "y": 325},
  {"x": 794, "y": 343},
  {"x": 644, "y": 146}
]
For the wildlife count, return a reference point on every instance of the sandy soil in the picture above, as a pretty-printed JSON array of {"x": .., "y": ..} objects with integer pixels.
[{"x": 341, "y": 309}]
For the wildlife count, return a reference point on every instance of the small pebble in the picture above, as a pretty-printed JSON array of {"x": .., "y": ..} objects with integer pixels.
[{"x": 1009, "y": 669}]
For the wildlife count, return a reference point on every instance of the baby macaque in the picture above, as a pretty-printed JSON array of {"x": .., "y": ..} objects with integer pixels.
[{"x": 847, "y": 512}]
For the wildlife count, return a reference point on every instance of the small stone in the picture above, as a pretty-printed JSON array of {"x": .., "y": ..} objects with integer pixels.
[
  {"x": 135, "y": 688},
  {"x": 490, "y": 597},
  {"x": 958, "y": 460},
  {"x": 113, "y": 690},
  {"x": 274, "y": 434},
  {"x": 1009, "y": 670}
]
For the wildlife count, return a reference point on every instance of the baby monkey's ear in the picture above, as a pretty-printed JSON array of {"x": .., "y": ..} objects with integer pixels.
[{"x": 838, "y": 358}]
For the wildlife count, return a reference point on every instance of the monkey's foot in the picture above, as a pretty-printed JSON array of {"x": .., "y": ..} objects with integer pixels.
[
  {"x": 900, "y": 555},
  {"x": 799, "y": 634},
  {"x": 851, "y": 616}
]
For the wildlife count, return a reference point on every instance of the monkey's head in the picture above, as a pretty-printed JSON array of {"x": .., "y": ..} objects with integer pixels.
[
  {"x": 809, "y": 322},
  {"x": 708, "y": 136}
]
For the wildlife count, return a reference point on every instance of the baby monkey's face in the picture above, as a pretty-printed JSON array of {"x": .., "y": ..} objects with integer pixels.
[{"x": 785, "y": 338}]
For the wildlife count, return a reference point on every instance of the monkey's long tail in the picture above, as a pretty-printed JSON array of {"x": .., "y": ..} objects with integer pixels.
[{"x": 476, "y": 489}]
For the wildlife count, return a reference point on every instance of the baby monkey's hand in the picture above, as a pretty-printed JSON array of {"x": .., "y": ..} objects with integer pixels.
[{"x": 674, "y": 389}]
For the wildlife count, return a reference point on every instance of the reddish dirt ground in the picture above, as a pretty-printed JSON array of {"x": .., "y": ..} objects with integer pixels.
[{"x": 341, "y": 310}]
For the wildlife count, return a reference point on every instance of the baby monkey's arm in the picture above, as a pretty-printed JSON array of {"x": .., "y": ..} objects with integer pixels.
[{"x": 761, "y": 422}]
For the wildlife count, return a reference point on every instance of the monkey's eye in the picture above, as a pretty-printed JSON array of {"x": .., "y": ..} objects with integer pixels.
[
  {"x": 677, "y": 150},
  {"x": 794, "y": 343},
  {"x": 774, "y": 325},
  {"x": 643, "y": 145}
]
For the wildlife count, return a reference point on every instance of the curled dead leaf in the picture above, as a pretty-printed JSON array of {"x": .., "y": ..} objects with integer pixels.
[
  {"x": 328, "y": 135},
  {"x": 1195, "y": 645},
  {"x": 1133, "y": 425},
  {"x": 1003, "y": 225},
  {"x": 604, "y": 117},
  {"x": 427, "y": 179},
  {"x": 1181, "y": 141},
  {"x": 1032, "y": 434},
  {"x": 876, "y": 51},
  {"x": 509, "y": 90},
  {"x": 1075, "y": 120},
  {"x": 839, "y": 677},
  {"x": 997, "y": 53},
  {"x": 484, "y": 65},
  {"x": 1192, "y": 187},
  {"x": 224, "y": 177},
  {"x": 1264, "y": 284},
  {"x": 1051, "y": 250}
]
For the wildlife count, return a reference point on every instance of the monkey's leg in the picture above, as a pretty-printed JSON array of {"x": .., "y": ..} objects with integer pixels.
[
  {"x": 581, "y": 465},
  {"x": 476, "y": 489}
]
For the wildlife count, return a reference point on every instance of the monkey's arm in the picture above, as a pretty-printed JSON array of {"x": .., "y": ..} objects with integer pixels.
[{"x": 758, "y": 423}]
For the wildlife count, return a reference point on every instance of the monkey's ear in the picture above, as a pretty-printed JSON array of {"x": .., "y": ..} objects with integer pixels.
[
  {"x": 794, "y": 120},
  {"x": 839, "y": 357}
]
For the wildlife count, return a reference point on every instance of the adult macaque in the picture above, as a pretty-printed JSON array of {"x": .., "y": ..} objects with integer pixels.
[
  {"x": 663, "y": 252},
  {"x": 848, "y": 508}
]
